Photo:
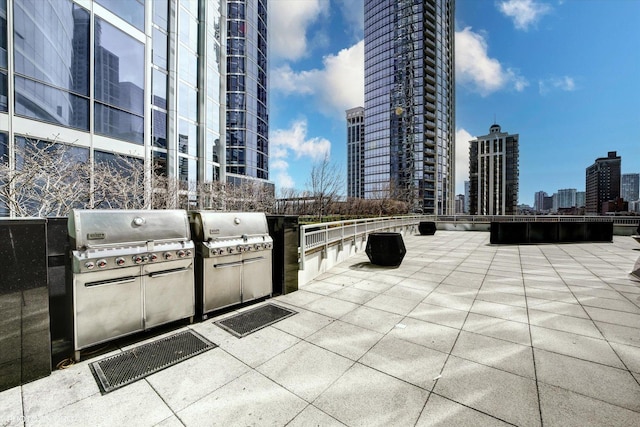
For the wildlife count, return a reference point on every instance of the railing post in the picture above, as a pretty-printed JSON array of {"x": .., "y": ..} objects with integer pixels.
[
  {"x": 326, "y": 241},
  {"x": 302, "y": 249}
]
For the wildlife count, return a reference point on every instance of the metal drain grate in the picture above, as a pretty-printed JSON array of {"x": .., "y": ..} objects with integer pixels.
[
  {"x": 250, "y": 321},
  {"x": 127, "y": 367}
]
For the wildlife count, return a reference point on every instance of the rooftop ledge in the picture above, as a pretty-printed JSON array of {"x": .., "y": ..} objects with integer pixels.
[{"x": 461, "y": 332}]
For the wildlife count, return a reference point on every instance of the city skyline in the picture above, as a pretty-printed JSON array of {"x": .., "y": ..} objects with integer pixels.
[{"x": 568, "y": 106}]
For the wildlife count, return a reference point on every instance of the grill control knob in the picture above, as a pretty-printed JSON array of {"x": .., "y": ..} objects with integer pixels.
[
  {"x": 168, "y": 255},
  {"x": 137, "y": 259},
  {"x": 145, "y": 258},
  {"x": 89, "y": 265},
  {"x": 230, "y": 250},
  {"x": 120, "y": 261},
  {"x": 239, "y": 248},
  {"x": 257, "y": 246},
  {"x": 189, "y": 253},
  {"x": 102, "y": 263},
  {"x": 153, "y": 257},
  {"x": 181, "y": 253}
]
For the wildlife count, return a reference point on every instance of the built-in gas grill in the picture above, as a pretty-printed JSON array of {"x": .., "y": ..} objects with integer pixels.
[
  {"x": 131, "y": 270},
  {"x": 233, "y": 258}
]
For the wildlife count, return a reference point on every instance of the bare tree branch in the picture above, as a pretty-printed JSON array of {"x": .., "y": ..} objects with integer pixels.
[{"x": 325, "y": 183}]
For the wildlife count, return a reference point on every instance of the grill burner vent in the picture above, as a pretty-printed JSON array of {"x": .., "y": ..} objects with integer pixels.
[
  {"x": 250, "y": 321},
  {"x": 132, "y": 365}
]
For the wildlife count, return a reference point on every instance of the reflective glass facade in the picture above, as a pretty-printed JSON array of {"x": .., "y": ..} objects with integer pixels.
[
  {"x": 141, "y": 78},
  {"x": 410, "y": 103},
  {"x": 246, "y": 98},
  {"x": 355, "y": 152}
]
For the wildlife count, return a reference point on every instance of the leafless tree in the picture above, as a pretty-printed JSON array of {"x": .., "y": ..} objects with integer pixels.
[
  {"x": 46, "y": 180},
  {"x": 250, "y": 196},
  {"x": 164, "y": 193},
  {"x": 119, "y": 184},
  {"x": 49, "y": 179},
  {"x": 287, "y": 201},
  {"x": 212, "y": 195},
  {"x": 325, "y": 184}
]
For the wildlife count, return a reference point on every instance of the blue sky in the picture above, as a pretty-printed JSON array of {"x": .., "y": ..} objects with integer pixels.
[{"x": 563, "y": 74}]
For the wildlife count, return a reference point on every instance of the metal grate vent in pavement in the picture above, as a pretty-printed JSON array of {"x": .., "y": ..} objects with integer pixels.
[
  {"x": 250, "y": 321},
  {"x": 117, "y": 371}
]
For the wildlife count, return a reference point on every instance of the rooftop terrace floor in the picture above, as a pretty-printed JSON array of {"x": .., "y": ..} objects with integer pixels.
[{"x": 462, "y": 333}]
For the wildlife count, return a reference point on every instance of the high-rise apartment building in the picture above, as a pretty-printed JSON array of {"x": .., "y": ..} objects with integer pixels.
[
  {"x": 467, "y": 190},
  {"x": 459, "y": 208},
  {"x": 567, "y": 198},
  {"x": 630, "y": 190},
  {"x": 602, "y": 182},
  {"x": 580, "y": 199},
  {"x": 355, "y": 152},
  {"x": 246, "y": 89},
  {"x": 538, "y": 201},
  {"x": 494, "y": 173},
  {"x": 409, "y": 143},
  {"x": 178, "y": 85}
]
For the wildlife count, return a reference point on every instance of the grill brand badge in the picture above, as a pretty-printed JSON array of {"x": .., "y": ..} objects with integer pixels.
[
  {"x": 96, "y": 236},
  {"x": 214, "y": 231}
]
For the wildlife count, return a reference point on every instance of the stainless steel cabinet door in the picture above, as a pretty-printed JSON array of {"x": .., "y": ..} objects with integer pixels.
[
  {"x": 222, "y": 286},
  {"x": 169, "y": 292},
  {"x": 107, "y": 305},
  {"x": 256, "y": 276}
]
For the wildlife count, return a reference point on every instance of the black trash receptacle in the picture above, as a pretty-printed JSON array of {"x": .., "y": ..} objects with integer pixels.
[
  {"x": 386, "y": 249},
  {"x": 427, "y": 228},
  {"x": 285, "y": 232}
]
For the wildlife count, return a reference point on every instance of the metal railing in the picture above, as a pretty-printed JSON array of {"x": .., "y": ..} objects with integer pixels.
[
  {"x": 323, "y": 235},
  {"x": 617, "y": 220}
]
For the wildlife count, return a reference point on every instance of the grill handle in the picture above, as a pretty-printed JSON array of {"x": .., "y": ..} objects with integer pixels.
[
  {"x": 252, "y": 260},
  {"x": 168, "y": 272},
  {"x": 111, "y": 282},
  {"x": 227, "y": 264}
]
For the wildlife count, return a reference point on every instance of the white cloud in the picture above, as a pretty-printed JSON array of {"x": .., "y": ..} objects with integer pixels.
[
  {"x": 288, "y": 23},
  {"x": 564, "y": 83},
  {"x": 337, "y": 87},
  {"x": 474, "y": 67},
  {"x": 285, "y": 143},
  {"x": 287, "y": 81},
  {"x": 343, "y": 78},
  {"x": 462, "y": 158},
  {"x": 523, "y": 12}
]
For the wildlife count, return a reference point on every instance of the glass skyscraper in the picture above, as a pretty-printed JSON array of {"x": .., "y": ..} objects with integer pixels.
[
  {"x": 355, "y": 148},
  {"x": 630, "y": 187},
  {"x": 409, "y": 149},
  {"x": 247, "y": 85},
  {"x": 178, "y": 85}
]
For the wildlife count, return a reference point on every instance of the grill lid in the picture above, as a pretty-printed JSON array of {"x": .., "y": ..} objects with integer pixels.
[
  {"x": 210, "y": 225},
  {"x": 106, "y": 227}
]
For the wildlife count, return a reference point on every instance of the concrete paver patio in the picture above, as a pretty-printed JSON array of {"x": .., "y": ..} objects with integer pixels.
[{"x": 462, "y": 333}]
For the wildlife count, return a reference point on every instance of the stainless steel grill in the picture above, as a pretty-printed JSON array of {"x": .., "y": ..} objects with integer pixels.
[
  {"x": 131, "y": 269},
  {"x": 233, "y": 258}
]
